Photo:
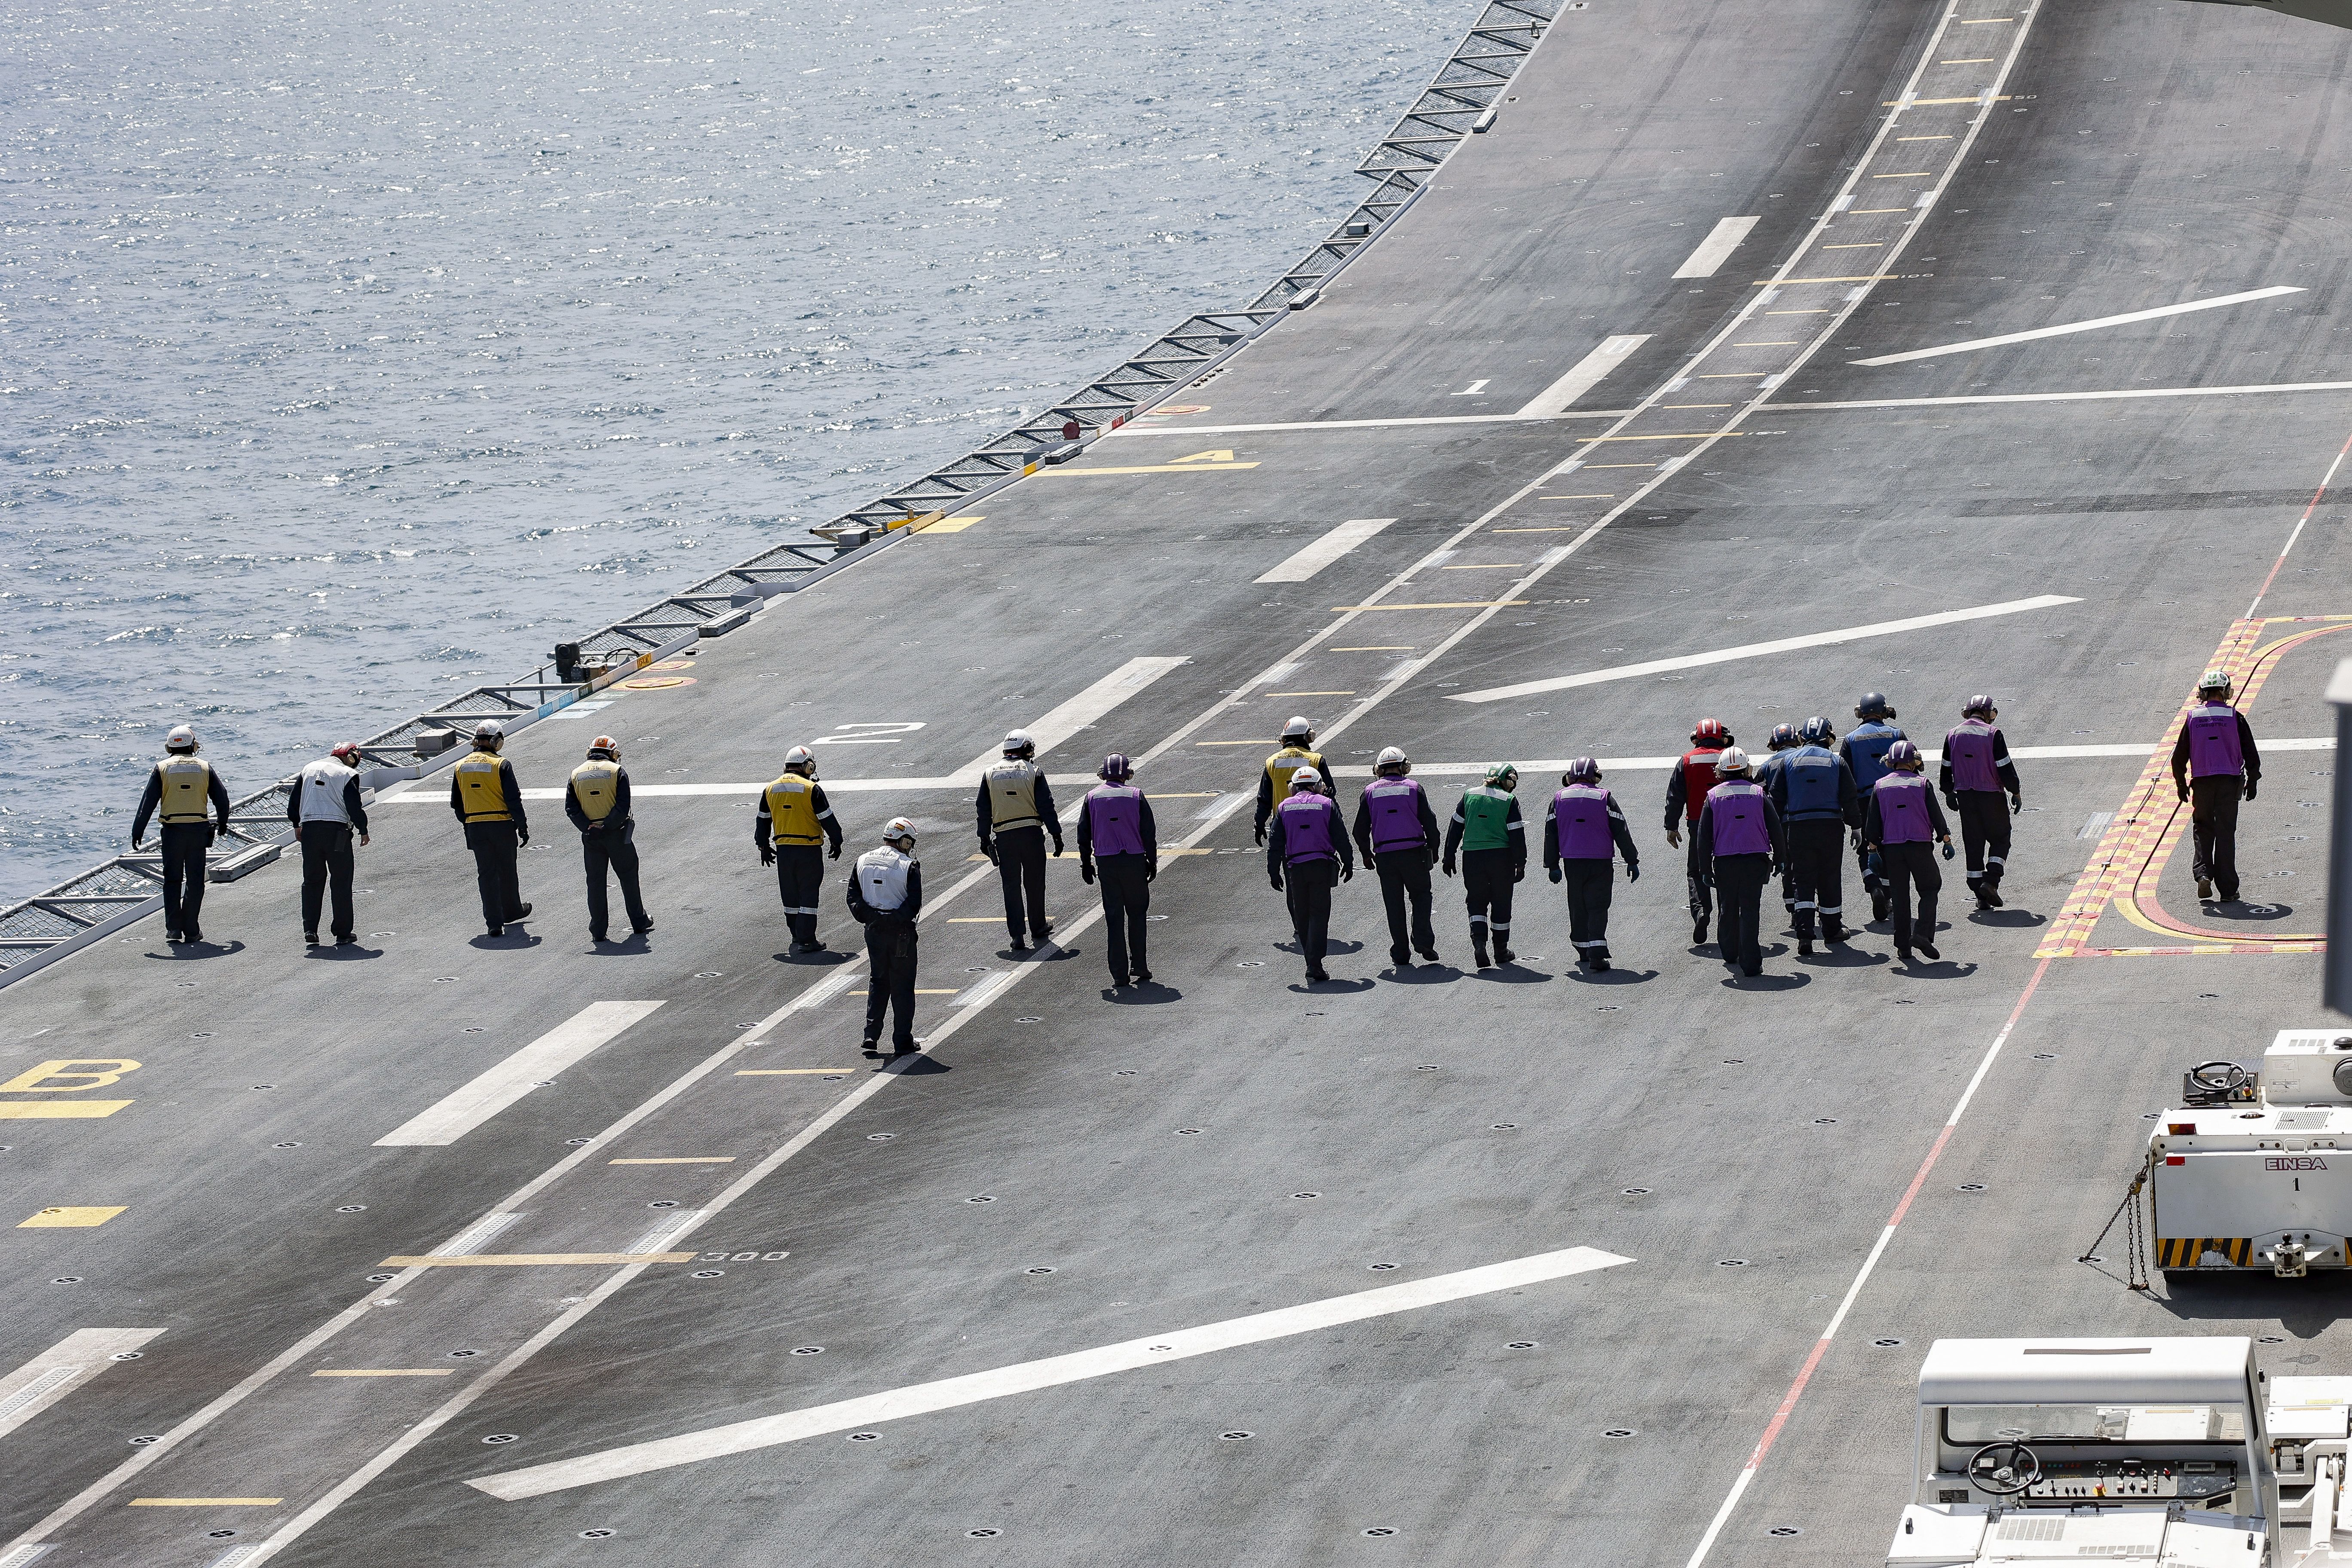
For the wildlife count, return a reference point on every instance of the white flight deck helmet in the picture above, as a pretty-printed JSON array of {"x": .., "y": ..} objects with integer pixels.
[
  {"x": 1017, "y": 744},
  {"x": 1302, "y": 779},
  {"x": 489, "y": 735},
  {"x": 1734, "y": 761},
  {"x": 2216, "y": 679},
  {"x": 181, "y": 739},
  {"x": 801, "y": 761},
  {"x": 899, "y": 834},
  {"x": 1298, "y": 730},
  {"x": 1392, "y": 757}
]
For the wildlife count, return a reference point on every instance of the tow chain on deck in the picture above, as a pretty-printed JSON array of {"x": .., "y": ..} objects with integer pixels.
[{"x": 2134, "y": 1234}]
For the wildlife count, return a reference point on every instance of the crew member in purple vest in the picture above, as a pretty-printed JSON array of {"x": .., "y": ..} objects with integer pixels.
[
  {"x": 1306, "y": 844},
  {"x": 1583, "y": 831},
  {"x": 1976, "y": 770},
  {"x": 2214, "y": 765},
  {"x": 1118, "y": 846},
  {"x": 1904, "y": 824},
  {"x": 1397, "y": 832},
  {"x": 1739, "y": 842}
]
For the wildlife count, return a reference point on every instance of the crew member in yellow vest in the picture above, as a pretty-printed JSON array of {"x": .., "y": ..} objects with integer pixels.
[
  {"x": 1017, "y": 812},
  {"x": 484, "y": 794},
  {"x": 597, "y": 802},
  {"x": 180, "y": 790},
  {"x": 794, "y": 814},
  {"x": 1298, "y": 751}
]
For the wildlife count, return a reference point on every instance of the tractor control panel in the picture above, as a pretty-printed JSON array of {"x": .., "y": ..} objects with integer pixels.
[{"x": 2074, "y": 1481}]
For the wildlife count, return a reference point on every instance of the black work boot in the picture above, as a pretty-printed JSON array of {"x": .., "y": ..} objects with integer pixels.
[
  {"x": 1478, "y": 950},
  {"x": 1503, "y": 953}
]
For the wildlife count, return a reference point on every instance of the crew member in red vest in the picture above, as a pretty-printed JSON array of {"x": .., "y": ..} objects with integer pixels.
[{"x": 1686, "y": 789}]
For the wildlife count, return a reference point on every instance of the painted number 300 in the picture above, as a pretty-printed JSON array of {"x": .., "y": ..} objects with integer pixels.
[{"x": 742, "y": 1257}]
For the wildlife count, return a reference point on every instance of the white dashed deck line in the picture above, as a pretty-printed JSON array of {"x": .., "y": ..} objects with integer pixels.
[
  {"x": 946, "y": 1394},
  {"x": 466, "y": 1108}
]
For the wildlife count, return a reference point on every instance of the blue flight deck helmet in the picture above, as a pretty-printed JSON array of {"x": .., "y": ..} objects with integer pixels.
[
  {"x": 1872, "y": 706},
  {"x": 1904, "y": 754},
  {"x": 1816, "y": 731},
  {"x": 1116, "y": 768},
  {"x": 1782, "y": 737}
]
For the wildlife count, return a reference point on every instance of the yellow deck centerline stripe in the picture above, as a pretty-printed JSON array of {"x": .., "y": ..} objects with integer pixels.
[
  {"x": 1916, "y": 102},
  {"x": 1817, "y": 310},
  {"x": 1489, "y": 566},
  {"x": 1290, "y": 694},
  {"x": 1858, "y": 245},
  {"x": 1612, "y": 466},
  {"x": 1869, "y": 211},
  {"x": 680, "y": 1160},
  {"x": 1578, "y": 528},
  {"x": 1451, "y": 604},
  {"x": 1597, "y": 495},
  {"x": 1923, "y": 138},
  {"x": 386, "y": 1372},
  {"x": 1985, "y": 61},
  {"x": 809, "y": 1072},
  {"x": 1380, "y": 647},
  {"x": 1148, "y": 468},
  {"x": 532, "y": 1259},
  {"x": 1864, "y": 277},
  {"x": 1913, "y": 175},
  {"x": 206, "y": 1501},
  {"x": 983, "y": 920},
  {"x": 1684, "y": 436}
]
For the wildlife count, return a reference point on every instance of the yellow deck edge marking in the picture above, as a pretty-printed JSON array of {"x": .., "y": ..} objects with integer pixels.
[
  {"x": 1455, "y": 604},
  {"x": 64, "y": 1219},
  {"x": 58, "y": 1110},
  {"x": 206, "y": 1501},
  {"x": 1152, "y": 469},
  {"x": 386, "y": 1372},
  {"x": 680, "y": 1160},
  {"x": 801, "y": 1072}
]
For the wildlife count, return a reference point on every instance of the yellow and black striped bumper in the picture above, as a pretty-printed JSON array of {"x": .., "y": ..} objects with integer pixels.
[{"x": 2186, "y": 1252}]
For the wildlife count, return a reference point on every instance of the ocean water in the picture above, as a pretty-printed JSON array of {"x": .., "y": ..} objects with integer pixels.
[{"x": 354, "y": 352}]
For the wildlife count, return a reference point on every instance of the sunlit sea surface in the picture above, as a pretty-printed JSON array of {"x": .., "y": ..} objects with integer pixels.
[{"x": 352, "y": 353}]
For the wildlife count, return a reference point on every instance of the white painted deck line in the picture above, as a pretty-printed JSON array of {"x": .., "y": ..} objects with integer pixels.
[
  {"x": 466, "y": 1109},
  {"x": 1760, "y": 649},
  {"x": 62, "y": 1368},
  {"x": 1716, "y": 248},
  {"x": 1079, "y": 712},
  {"x": 2071, "y": 396},
  {"x": 1584, "y": 375},
  {"x": 2094, "y": 325},
  {"x": 1367, "y": 424},
  {"x": 1534, "y": 771},
  {"x": 946, "y": 1394},
  {"x": 1325, "y": 550}
]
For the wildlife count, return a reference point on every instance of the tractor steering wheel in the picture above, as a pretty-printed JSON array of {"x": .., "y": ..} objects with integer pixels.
[
  {"x": 2004, "y": 1469},
  {"x": 2220, "y": 1078}
]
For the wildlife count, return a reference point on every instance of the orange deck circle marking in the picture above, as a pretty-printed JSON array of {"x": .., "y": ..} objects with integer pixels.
[
  {"x": 656, "y": 682},
  {"x": 673, "y": 664}
]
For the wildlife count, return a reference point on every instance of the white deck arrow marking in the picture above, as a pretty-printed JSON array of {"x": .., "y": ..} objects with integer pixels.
[
  {"x": 72, "y": 1360},
  {"x": 1076, "y": 713},
  {"x": 1327, "y": 549},
  {"x": 494, "y": 1090},
  {"x": 1584, "y": 375},
  {"x": 2217, "y": 302},
  {"x": 1758, "y": 649},
  {"x": 847, "y": 1415},
  {"x": 1717, "y": 247},
  {"x": 1474, "y": 389}
]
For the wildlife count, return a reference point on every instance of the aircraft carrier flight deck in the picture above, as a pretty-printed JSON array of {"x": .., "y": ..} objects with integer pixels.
[{"x": 1751, "y": 360}]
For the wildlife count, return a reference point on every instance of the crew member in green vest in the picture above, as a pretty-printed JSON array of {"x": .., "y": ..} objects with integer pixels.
[
  {"x": 484, "y": 794},
  {"x": 793, "y": 810},
  {"x": 597, "y": 802},
  {"x": 180, "y": 788},
  {"x": 1492, "y": 844},
  {"x": 1298, "y": 751}
]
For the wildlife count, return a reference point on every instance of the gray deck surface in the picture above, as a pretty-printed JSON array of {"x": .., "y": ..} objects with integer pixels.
[{"x": 2140, "y": 156}]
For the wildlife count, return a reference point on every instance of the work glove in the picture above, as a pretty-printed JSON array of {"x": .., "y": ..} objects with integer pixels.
[
  {"x": 1519, "y": 872},
  {"x": 1447, "y": 867},
  {"x": 1673, "y": 839},
  {"x": 1260, "y": 834},
  {"x": 833, "y": 850},
  {"x": 1057, "y": 845},
  {"x": 2184, "y": 790},
  {"x": 2016, "y": 804},
  {"x": 1952, "y": 803},
  {"x": 1346, "y": 873},
  {"x": 1275, "y": 878},
  {"x": 2250, "y": 789},
  {"x": 1554, "y": 869},
  {"x": 136, "y": 843},
  {"x": 988, "y": 848},
  {"x": 1632, "y": 872},
  {"x": 1086, "y": 872},
  {"x": 1151, "y": 871},
  {"x": 1949, "y": 850},
  {"x": 767, "y": 856},
  {"x": 524, "y": 839}
]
